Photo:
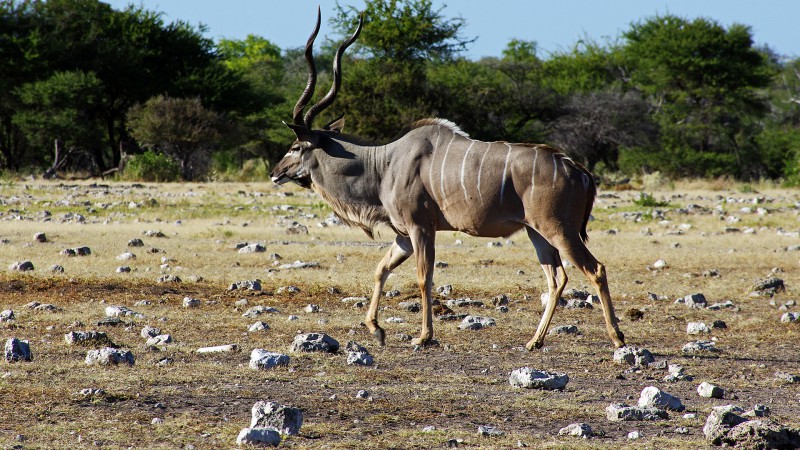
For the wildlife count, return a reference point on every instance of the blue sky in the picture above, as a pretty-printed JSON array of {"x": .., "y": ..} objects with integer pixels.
[{"x": 554, "y": 24}]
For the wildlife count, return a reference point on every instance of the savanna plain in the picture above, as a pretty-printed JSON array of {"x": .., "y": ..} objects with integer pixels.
[{"x": 717, "y": 239}]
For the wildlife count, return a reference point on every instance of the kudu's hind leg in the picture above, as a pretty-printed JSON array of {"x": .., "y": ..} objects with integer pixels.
[
  {"x": 400, "y": 250},
  {"x": 556, "y": 280},
  {"x": 576, "y": 251},
  {"x": 423, "y": 241}
]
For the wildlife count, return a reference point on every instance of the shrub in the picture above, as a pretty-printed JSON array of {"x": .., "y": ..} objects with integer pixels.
[
  {"x": 151, "y": 166},
  {"x": 648, "y": 201}
]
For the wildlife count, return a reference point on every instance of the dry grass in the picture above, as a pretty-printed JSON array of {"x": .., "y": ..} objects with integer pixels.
[{"x": 205, "y": 399}]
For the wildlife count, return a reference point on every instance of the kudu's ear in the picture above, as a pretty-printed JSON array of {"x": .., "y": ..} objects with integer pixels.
[
  {"x": 304, "y": 134},
  {"x": 336, "y": 125}
]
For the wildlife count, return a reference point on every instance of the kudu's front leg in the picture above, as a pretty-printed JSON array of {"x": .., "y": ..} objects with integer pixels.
[
  {"x": 422, "y": 239},
  {"x": 400, "y": 250}
]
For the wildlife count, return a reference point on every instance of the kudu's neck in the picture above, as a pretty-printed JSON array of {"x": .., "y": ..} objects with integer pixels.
[{"x": 348, "y": 176}]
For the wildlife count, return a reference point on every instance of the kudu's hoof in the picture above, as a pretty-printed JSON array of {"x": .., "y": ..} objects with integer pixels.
[
  {"x": 534, "y": 345},
  {"x": 380, "y": 335}
]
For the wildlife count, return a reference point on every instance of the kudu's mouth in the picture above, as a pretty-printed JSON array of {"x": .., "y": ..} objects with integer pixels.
[{"x": 281, "y": 178}]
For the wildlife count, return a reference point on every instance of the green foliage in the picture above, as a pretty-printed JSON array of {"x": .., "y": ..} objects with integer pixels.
[
  {"x": 646, "y": 200},
  {"x": 705, "y": 83},
  {"x": 181, "y": 128},
  {"x": 402, "y": 30},
  {"x": 151, "y": 166},
  {"x": 64, "y": 107}
]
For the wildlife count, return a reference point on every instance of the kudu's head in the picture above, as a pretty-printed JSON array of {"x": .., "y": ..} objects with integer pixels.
[{"x": 298, "y": 163}]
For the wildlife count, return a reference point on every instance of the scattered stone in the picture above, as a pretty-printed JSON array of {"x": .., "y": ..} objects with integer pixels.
[
  {"x": 77, "y": 251},
  {"x": 127, "y": 256},
  {"x": 40, "y": 237},
  {"x": 633, "y": 356},
  {"x": 148, "y": 332},
  {"x": 363, "y": 394},
  {"x": 296, "y": 228},
  {"x": 677, "y": 373},
  {"x": 392, "y": 294},
  {"x": 42, "y": 307},
  {"x": 697, "y": 328},
  {"x": 287, "y": 290},
  {"x": 529, "y": 378},
  {"x": 123, "y": 269},
  {"x": 311, "y": 308},
  {"x": 787, "y": 377},
  {"x": 441, "y": 265},
  {"x": 476, "y": 323},
  {"x": 582, "y": 430},
  {"x": 617, "y": 412},
  {"x": 719, "y": 325},
  {"x": 153, "y": 233},
  {"x": 258, "y": 436},
  {"x": 189, "y": 302},
  {"x": 700, "y": 347},
  {"x": 258, "y": 310},
  {"x": 564, "y": 329},
  {"x": 284, "y": 419},
  {"x": 6, "y": 315},
  {"x": 395, "y": 320},
  {"x": 219, "y": 349},
  {"x": 258, "y": 326},
  {"x": 634, "y": 314},
  {"x": 109, "y": 356},
  {"x": 122, "y": 311},
  {"x": 250, "y": 285},
  {"x": 413, "y": 307},
  {"x": 723, "y": 305},
  {"x": 660, "y": 264},
  {"x": 445, "y": 290},
  {"x": 314, "y": 342},
  {"x": 300, "y": 265},
  {"x": 769, "y": 286},
  {"x": 720, "y": 421},
  {"x": 757, "y": 411},
  {"x": 110, "y": 322},
  {"x": 161, "y": 339},
  {"x": 489, "y": 430},
  {"x": 709, "y": 390},
  {"x": 633, "y": 435},
  {"x": 56, "y": 268},
  {"x": 261, "y": 359},
  {"x": 87, "y": 338},
  {"x": 135, "y": 242},
  {"x": 17, "y": 350},
  {"x": 465, "y": 303},
  {"x": 758, "y": 434},
  {"x": 21, "y": 266},
  {"x": 576, "y": 303},
  {"x": 252, "y": 248},
  {"x": 652, "y": 396},
  {"x": 358, "y": 355},
  {"x": 168, "y": 279},
  {"x": 695, "y": 301},
  {"x": 790, "y": 317}
]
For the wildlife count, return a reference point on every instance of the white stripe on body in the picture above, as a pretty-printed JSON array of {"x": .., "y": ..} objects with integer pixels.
[
  {"x": 433, "y": 158},
  {"x": 533, "y": 172},
  {"x": 444, "y": 160},
  {"x": 480, "y": 170},
  {"x": 464, "y": 163},
  {"x": 555, "y": 170},
  {"x": 505, "y": 170}
]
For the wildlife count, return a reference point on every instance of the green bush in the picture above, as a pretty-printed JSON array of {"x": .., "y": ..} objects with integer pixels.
[
  {"x": 151, "y": 166},
  {"x": 648, "y": 201}
]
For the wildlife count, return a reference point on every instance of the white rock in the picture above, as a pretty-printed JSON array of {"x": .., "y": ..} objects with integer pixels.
[
  {"x": 258, "y": 436},
  {"x": 709, "y": 390},
  {"x": 651, "y": 396},
  {"x": 660, "y": 264},
  {"x": 219, "y": 349},
  {"x": 529, "y": 378},
  {"x": 127, "y": 256},
  {"x": 697, "y": 328},
  {"x": 261, "y": 359}
]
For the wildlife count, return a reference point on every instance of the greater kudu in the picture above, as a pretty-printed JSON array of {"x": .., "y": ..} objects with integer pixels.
[{"x": 436, "y": 178}]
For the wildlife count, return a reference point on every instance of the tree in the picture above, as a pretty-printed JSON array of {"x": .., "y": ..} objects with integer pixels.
[
  {"x": 704, "y": 82},
  {"x": 403, "y": 30},
  {"x": 63, "y": 108},
  {"x": 598, "y": 124},
  {"x": 181, "y": 128}
]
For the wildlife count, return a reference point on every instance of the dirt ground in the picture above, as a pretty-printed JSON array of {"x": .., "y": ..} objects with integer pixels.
[{"x": 455, "y": 386}]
